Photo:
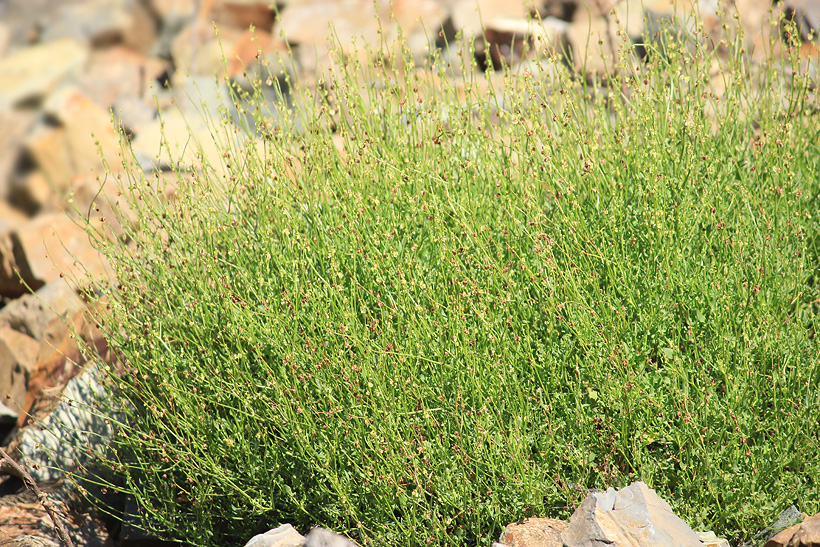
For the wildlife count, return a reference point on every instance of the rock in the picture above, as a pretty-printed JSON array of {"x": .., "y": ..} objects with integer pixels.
[
  {"x": 32, "y": 191},
  {"x": 47, "y": 167},
  {"x": 132, "y": 113},
  {"x": 67, "y": 143},
  {"x": 10, "y": 217},
  {"x": 283, "y": 536},
  {"x": 633, "y": 516},
  {"x": 172, "y": 11},
  {"x": 200, "y": 51},
  {"x": 32, "y": 314},
  {"x": 754, "y": 17},
  {"x": 5, "y": 38},
  {"x": 506, "y": 41},
  {"x": 184, "y": 138},
  {"x": 789, "y": 517},
  {"x": 534, "y": 532},
  {"x": 243, "y": 14},
  {"x": 322, "y": 537},
  {"x": 118, "y": 73},
  {"x": 472, "y": 17},
  {"x": 102, "y": 23},
  {"x": 804, "y": 534},
  {"x": 58, "y": 361},
  {"x": 31, "y": 73},
  {"x": 594, "y": 30},
  {"x": 710, "y": 539},
  {"x": 99, "y": 201},
  {"x": 43, "y": 249},
  {"x": 71, "y": 435},
  {"x": 88, "y": 130},
  {"x": 307, "y": 25},
  {"x": 15, "y": 123},
  {"x": 18, "y": 353}
]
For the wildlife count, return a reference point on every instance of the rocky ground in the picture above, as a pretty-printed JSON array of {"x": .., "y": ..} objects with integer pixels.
[{"x": 65, "y": 67}]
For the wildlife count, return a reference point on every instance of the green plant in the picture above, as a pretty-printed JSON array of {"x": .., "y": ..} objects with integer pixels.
[{"x": 442, "y": 307}]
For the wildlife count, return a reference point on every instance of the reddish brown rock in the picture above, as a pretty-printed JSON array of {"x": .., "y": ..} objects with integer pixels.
[
  {"x": 534, "y": 532},
  {"x": 18, "y": 353},
  {"x": 804, "y": 534},
  {"x": 47, "y": 148}
]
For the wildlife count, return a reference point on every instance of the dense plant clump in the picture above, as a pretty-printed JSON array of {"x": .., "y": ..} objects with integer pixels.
[{"x": 439, "y": 308}]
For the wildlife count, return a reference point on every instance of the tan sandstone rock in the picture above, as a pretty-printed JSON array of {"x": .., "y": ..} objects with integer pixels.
[
  {"x": 534, "y": 532},
  {"x": 18, "y": 353},
  {"x": 44, "y": 249},
  {"x": 31, "y": 73}
]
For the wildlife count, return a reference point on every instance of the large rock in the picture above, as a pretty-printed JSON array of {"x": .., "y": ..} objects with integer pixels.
[
  {"x": 59, "y": 360},
  {"x": 805, "y": 534},
  {"x": 177, "y": 140},
  {"x": 17, "y": 355},
  {"x": 88, "y": 128},
  {"x": 33, "y": 314},
  {"x": 634, "y": 516},
  {"x": 534, "y": 532},
  {"x": 472, "y": 17},
  {"x": 594, "y": 31},
  {"x": 14, "y": 125},
  {"x": 43, "y": 249},
  {"x": 283, "y": 536},
  {"x": 322, "y": 537},
  {"x": 200, "y": 50},
  {"x": 10, "y": 217},
  {"x": 118, "y": 72},
  {"x": 101, "y": 23},
  {"x": 74, "y": 139},
  {"x": 71, "y": 436},
  {"x": 31, "y": 73}
]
